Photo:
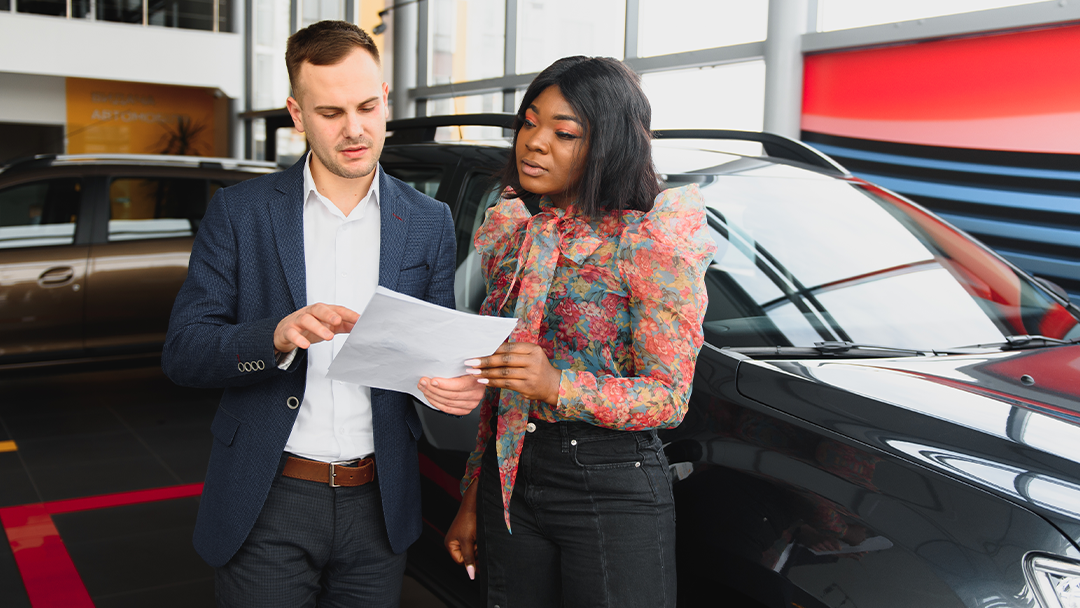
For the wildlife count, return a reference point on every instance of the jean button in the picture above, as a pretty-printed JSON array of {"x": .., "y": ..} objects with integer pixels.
[{"x": 530, "y": 427}]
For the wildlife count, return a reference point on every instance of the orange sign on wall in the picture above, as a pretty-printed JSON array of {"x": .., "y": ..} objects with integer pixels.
[{"x": 106, "y": 116}]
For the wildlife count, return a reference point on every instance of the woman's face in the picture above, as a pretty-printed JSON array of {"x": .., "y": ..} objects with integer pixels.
[{"x": 551, "y": 149}]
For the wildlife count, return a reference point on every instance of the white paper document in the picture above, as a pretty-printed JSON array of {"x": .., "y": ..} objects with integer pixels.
[{"x": 400, "y": 339}]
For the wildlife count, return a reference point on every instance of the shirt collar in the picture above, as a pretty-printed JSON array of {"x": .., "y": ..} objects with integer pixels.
[{"x": 310, "y": 189}]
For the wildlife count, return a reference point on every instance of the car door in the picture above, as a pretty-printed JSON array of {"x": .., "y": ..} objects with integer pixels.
[
  {"x": 42, "y": 269},
  {"x": 139, "y": 259},
  {"x": 478, "y": 193}
]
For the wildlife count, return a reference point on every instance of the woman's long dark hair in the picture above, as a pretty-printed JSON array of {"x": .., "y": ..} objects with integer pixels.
[{"x": 606, "y": 95}]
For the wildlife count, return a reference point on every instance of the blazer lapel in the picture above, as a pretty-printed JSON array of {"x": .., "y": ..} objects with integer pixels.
[
  {"x": 287, "y": 218},
  {"x": 394, "y": 219}
]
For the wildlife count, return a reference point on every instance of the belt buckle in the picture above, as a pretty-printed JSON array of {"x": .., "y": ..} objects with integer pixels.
[{"x": 333, "y": 473}]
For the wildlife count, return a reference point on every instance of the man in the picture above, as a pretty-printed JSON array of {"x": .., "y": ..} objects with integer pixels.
[{"x": 312, "y": 494}]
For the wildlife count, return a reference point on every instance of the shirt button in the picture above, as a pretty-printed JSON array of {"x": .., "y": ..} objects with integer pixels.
[{"x": 530, "y": 427}]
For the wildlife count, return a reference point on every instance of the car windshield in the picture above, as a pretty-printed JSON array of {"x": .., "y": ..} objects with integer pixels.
[{"x": 804, "y": 258}]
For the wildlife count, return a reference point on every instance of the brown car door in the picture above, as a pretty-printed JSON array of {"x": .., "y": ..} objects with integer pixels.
[
  {"x": 135, "y": 274},
  {"x": 42, "y": 270}
]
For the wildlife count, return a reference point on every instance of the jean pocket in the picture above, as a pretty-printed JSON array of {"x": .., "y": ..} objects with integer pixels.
[{"x": 606, "y": 452}]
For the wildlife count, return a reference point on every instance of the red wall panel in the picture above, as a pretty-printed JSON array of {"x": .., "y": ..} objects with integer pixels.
[{"x": 1016, "y": 91}]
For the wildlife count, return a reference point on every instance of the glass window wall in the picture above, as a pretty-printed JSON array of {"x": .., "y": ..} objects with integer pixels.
[
  {"x": 119, "y": 11},
  {"x": 56, "y": 8},
  {"x": 550, "y": 29},
  {"x": 466, "y": 104},
  {"x": 186, "y": 14},
  {"x": 270, "y": 81},
  {"x": 677, "y": 26},
  {"x": 845, "y": 14},
  {"x": 729, "y": 96},
  {"x": 313, "y": 11},
  {"x": 467, "y": 40}
]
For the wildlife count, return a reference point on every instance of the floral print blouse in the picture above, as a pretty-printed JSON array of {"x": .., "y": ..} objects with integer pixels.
[{"x": 616, "y": 303}]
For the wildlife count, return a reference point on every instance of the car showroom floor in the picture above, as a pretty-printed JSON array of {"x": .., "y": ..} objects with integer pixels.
[{"x": 100, "y": 473}]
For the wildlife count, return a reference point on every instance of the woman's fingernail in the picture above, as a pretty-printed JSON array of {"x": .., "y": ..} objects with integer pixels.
[
  {"x": 472, "y": 572},
  {"x": 472, "y": 362},
  {"x": 434, "y": 383},
  {"x": 473, "y": 371},
  {"x": 482, "y": 380},
  {"x": 423, "y": 382}
]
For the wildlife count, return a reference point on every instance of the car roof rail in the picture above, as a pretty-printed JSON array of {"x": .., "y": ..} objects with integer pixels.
[
  {"x": 203, "y": 162},
  {"x": 22, "y": 160},
  {"x": 422, "y": 128},
  {"x": 776, "y": 146}
]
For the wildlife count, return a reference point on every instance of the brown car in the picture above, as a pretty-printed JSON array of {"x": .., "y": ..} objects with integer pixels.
[{"x": 93, "y": 250}]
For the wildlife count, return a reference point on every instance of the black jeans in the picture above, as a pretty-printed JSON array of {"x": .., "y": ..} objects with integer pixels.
[{"x": 593, "y": 521}]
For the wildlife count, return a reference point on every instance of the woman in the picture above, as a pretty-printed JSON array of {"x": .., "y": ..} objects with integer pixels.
[{"x": 568, "y": 490}]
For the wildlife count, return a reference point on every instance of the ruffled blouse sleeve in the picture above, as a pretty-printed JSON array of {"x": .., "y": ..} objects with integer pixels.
[
  {"x": 496, "y": 239},
  {"x": 662, "y": 257}
]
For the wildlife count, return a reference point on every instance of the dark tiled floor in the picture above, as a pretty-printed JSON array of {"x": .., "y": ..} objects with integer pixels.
[{"x": 105, "y": 431}]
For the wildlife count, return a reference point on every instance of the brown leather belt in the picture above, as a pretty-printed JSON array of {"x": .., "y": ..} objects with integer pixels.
[{"x": 337, "y": 475}]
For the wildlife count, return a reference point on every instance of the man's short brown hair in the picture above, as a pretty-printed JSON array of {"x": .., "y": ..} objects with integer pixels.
[{"x": 325, "y": 43}]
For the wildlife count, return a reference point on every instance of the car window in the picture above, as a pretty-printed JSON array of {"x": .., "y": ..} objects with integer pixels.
[
  {"x": 155, "y": 208},
  {"x": 40, "y": 214},
  {"x": 481, "y": 192},
  {"x": 424, "y": 179},
  {"x": 801, "y": 261}
]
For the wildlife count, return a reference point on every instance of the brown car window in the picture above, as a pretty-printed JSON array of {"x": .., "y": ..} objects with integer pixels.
[
  {"x": 40, "y": 214},
  {"x": 155, "y": 208}
]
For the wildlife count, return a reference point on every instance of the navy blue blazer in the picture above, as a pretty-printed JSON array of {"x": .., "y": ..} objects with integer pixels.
[{"x": 246, "y": 273}]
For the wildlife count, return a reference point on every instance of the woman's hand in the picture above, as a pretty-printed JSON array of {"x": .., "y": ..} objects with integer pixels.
[
  {"x": 461, "y": 537},
  {"x": 519, "y": 366}
]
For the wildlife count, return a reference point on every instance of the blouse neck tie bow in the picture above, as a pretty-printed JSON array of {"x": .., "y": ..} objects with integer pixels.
[{"x": 550, "y": 233}]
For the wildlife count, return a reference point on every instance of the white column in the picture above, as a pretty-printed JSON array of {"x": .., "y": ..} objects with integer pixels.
[
  {"x": 788, "y": 20},
  {"x": 406, "y": 25}
]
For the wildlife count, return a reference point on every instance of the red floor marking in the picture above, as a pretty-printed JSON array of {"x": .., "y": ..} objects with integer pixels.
[
  {"x": 46, "y": 568},
  {"x": 123, "y": 498},
  {"x": 49, "y": 576}
]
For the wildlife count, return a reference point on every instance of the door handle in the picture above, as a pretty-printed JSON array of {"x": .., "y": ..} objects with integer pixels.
[{"x": 57, "y": 275}]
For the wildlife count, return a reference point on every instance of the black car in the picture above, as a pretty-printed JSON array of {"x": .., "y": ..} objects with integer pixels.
[{"x": 885, "y": 412}]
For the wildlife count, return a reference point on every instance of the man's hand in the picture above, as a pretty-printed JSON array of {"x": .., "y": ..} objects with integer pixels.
[
  {"x": 521, "y": 367},
  {"x": 457, "y": 396},
  {"x": 312, "y": 324}
]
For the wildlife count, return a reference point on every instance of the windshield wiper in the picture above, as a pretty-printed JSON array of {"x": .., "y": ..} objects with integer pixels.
[
  {"x": 829, "y": 348},
  {"x": 1018, "y": 343}
]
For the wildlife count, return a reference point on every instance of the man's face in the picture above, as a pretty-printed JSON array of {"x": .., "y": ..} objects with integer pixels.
[{"x": 342, "y": 109}]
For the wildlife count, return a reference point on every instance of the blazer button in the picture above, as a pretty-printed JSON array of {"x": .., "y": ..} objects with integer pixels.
[{"x": 292, "y": 402}]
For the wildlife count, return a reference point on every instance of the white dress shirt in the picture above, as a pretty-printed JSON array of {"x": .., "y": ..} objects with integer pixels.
[{"x": 341, "y": 254}]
